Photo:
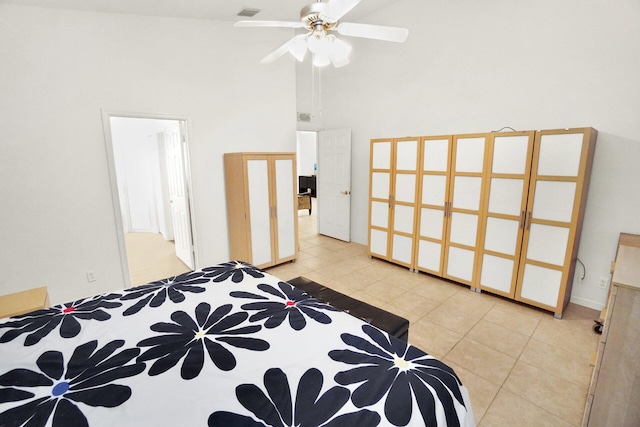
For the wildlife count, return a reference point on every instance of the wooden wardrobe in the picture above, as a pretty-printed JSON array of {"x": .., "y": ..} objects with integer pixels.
[
  {"x": 500, "y": 212},
  {"x": 261, "y": 207}
]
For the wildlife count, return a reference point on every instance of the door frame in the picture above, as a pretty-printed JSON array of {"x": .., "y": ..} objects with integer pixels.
[{"x": 108, "y": 141}]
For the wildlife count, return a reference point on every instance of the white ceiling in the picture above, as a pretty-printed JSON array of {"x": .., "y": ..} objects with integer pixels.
[{"x": 222, "y": 10}]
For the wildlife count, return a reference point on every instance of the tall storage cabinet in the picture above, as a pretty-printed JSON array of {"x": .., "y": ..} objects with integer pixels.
[
  {"x": 261, "y": 207},
  {"x": 433, "y": 209},
  {"x": 500, "y": 212},
  {"x": 393, "y": 195},
  {"x": 505, "y": 205},
  {"x": 451, "y": 176},
  {"x": 560, "y": 172}
]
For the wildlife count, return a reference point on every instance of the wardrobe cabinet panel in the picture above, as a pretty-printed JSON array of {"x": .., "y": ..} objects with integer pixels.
[
  {"x": 378, "y": 243},
  {"x": 502, "y": 217},
  {"x": 394, "y": 170},
  {"x": 286, "y": 218},
  {"x": 432, "y": 218},
  {"x": 465, "y": 206},
  {"x": 467, "y": 191},
  {"x": 460, "y": 263},
  {"x": 379, "y": 214},
  {"x": 505, "y": 196},
  {"x": 381, "y": 155},
  {"x": 380, "y": 185},
  {"x": 259, "y": 212},
  {"x": 560, "y": 154},
  {"x": 469, "y": 153},
  {"x": 261, "y": 207},
  {"x": 380, "y": 198},
  {"x": 561, "y": 167},
  {"x": 553, "y": 200}
]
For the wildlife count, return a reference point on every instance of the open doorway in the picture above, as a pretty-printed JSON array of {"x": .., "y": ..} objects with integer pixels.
[
  {"x": 150, "y": 167},
  {"x": 306, "y": 165}
]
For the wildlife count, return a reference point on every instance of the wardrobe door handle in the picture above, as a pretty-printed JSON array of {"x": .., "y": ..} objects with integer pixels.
[
  {"x": 521, "y": 220},
  {"x": 528, "y": 221}
]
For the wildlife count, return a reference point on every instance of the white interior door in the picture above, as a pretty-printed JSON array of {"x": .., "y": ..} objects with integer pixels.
[
  {"x": 179, "y": 199},
  {"x": 334, "y": 184}
]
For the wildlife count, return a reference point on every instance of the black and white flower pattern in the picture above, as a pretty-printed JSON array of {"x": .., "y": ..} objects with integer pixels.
[
  {"x": 308, "y": 408},
  {"x": 389, "y": 368},
  {"x": 40, "y": 323},
  {"x": 189, "y": 338},
  {"x": 57, "y": 388},
  {"x": 156, "y": 293},
  {"x": 288, "y": 302},
  {"x": 236, "y": 270}
]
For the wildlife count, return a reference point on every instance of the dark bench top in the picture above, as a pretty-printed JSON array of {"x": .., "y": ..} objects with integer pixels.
[{"x": 388, "y": 322}]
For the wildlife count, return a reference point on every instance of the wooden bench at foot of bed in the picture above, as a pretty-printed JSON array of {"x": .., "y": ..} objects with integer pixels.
[{"x": 388, "y": 322}]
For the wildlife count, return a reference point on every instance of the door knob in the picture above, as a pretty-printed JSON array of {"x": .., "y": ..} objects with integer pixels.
[{"x": 346, "y": 193}]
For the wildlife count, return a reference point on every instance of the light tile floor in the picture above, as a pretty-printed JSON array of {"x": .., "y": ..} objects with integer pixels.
[
  {"x": 522, "y": 366},
  {"x": 151, "y": 258}
]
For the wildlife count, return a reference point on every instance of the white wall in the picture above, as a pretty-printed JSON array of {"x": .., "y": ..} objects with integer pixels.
[
  {"x": 307, "y": 152},
  {"x": 58, "y": 71},
  {"x": 476, "y": 66}
]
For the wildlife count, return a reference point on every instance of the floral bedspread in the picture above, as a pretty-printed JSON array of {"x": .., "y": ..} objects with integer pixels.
[{"x": 227, "y": 345}]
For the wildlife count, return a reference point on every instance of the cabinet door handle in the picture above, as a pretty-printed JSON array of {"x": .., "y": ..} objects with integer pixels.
[
  {"x": 521, "y": 220},
  {"x": 528, "y": 221}
]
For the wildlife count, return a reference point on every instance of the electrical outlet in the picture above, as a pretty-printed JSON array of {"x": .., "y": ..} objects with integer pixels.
[
  {"x": 91, "y": 276},
  {"x": 604, "y": 282}
]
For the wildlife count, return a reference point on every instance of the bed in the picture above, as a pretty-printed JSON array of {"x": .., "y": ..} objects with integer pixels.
[{"x": 226, "y": 345}]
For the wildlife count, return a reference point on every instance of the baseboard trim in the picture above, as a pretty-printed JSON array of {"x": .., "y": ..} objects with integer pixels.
[{"x": 587, "y": 303}]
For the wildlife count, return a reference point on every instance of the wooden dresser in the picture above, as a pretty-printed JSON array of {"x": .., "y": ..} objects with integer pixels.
[{"x": 614, "y": 394}]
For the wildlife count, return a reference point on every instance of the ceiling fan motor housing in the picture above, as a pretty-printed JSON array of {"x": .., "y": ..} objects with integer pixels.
[{"x": 310, "y": 16}]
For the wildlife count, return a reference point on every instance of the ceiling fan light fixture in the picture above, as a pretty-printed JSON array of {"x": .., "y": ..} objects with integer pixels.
[
  {"x": 320, "y": 19},
  {"x": 321, "y": 60},
  {"x": 327, "y": 49},
  {"x": 298, "y": 49}
]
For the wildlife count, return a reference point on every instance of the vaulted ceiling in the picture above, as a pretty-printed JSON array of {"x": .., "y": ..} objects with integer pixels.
[{"x": 221, "y": 10}]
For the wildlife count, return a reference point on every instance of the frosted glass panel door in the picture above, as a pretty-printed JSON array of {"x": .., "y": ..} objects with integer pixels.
[
  {"x": 259, "y": 211},
  {"x": 403, "y": 206},
  {"x": 285, "y": 208},
  {"x": 556, "y": 196},
  {"x": 434, "y": 178},
  {"x": 379, "y": 197},
  {"x": 503, "y": 215},
  {"x": 464, "y": 207}
]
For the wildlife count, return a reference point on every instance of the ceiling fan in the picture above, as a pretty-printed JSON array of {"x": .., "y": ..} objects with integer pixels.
[{"x": 320, "y": 19}]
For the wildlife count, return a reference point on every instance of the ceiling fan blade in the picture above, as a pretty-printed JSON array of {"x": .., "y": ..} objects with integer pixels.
[
  {"x": 294, "y": 45},
  {"x": 336, "y": 9},
  {"x": 377, "y": 32},
  {"x": 280, "y": 24}
]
